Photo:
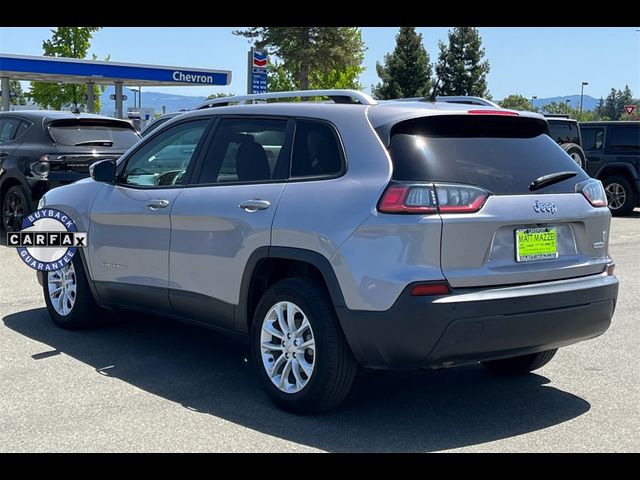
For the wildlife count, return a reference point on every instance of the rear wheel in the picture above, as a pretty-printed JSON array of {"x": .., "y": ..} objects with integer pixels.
[
  {"x": 15, "y": 206},
  {"x": 521, "y": 364},
  {"x": 68, "y": 297},
  {"x": 621, "y": 196},
  {"x": 300, "y": 353}
]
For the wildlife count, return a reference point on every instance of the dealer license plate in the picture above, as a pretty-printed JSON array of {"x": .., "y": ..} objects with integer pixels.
[{"x": 536, "y": 244}]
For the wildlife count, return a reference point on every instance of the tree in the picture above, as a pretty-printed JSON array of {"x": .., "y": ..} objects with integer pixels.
[
  {"x": 310, "y": 54},
  {"x": 407, "y": 71},
  {"x": 517, "y": 102},
  {"x": 562, "y": 108},
  {"x": 72, "y": 42},
  {"x": 461, "y": 68},
  {"x": 16, "y": 94},
  {"x": 219, "y": 95}
]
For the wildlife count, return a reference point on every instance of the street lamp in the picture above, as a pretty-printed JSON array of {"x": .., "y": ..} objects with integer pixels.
[
  {"x": 532, "y": 99},
  {"x": 581, "y": 95}
]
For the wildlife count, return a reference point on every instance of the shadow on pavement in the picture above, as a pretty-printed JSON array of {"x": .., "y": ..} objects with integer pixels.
[{"x": 209, "y": 373}]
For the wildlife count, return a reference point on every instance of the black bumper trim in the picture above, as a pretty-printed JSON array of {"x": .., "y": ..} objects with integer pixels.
[{"x": 471, "y": 325}]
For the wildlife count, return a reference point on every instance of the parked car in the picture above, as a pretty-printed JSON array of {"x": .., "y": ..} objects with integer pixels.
[
  {"x": 43, "y": 149},
  {"x": 399, "y": 235},
  {"x": 566, "y": 133},
  {"x": 613, "y": 156},
  {"x": 161, "y": 120}
]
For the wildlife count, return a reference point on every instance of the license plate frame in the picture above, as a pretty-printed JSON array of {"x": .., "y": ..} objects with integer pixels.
[{"x": 532, "y": 249}]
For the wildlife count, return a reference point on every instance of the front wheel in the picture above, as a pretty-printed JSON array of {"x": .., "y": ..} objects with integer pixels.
[
  {"x": 299, "y": 351},
  {"x": 68, "y": 297},
  {"x": 521, "y": 364},
  {"x": 621, "y": 196}
]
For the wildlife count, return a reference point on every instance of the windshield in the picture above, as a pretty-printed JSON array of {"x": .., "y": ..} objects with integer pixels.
[{"x": 93, "y": 133}]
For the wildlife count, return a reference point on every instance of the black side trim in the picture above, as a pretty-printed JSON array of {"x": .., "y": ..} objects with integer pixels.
[
  {"x": 143, "y": 298},
  {"x": 202, "y": 308},
  {"x": 288, "y": 253}
]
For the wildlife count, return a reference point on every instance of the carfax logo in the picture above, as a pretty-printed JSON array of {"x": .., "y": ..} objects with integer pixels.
[{"x": 48, "y": 240}]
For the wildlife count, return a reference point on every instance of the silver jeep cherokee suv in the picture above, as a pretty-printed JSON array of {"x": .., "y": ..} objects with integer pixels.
[{"x": 391, "y": 235}]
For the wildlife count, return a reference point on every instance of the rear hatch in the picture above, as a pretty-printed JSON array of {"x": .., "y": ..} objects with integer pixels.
[
  {"x": 82, "y": 141},
  {"x": 496, "y": 228}
]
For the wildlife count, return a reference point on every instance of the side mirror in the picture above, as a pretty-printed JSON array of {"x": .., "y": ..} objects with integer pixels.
[{"x": 103, "y": 171}]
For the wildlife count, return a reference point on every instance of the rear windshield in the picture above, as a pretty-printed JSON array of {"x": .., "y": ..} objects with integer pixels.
[
  {"x": 564, "y": 132},
  {"x": 501, "y": 154},
  {"x": 93, "y": 133}
]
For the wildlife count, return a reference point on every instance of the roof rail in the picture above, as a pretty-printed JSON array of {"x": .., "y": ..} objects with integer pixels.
[
  {"x": 338, "y": 96},
  {"x": 462, "y": 99}
]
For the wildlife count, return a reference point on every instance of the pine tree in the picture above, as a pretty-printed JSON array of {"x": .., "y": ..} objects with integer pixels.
[
  {"x": 407, "y": 71},
  {"x": 461, "y": 68}
]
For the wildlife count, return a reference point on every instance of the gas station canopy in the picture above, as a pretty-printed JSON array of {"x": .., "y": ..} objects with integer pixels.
[{"x": 73, "y": 70}]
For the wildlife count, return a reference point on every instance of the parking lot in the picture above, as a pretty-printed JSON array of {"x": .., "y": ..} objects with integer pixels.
[{"x": 148, "y": 384}]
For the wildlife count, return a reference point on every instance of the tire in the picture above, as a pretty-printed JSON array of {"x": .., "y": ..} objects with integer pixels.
[
  {"x": 333, "y": 366},
  {"x": 15, "y": 206},
  {"x": 82, "y": 312},
  {"x": 576, "y": 153},
  {"x": 520, "y": 365},
  {"x": 621, "y": 195}
]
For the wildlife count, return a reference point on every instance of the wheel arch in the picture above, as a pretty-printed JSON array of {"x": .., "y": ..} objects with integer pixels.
[{"x": 267, "y": 265}]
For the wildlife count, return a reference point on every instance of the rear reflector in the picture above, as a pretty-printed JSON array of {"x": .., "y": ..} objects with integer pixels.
[
  {"x": 507, "y": 113},
  {"x": 432, "y": 198},
  {"x": 430, "y": 289},
  {"x": 611, "y": 268}
]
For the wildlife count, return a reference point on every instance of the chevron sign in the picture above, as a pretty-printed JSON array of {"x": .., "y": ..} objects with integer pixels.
[{"x": 259, "y": 59}]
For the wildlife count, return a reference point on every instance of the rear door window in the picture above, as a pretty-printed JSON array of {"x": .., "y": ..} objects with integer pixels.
[
  {"x": 316, "y": 151},
  {"x": 501, "y": 154},
  {"x": 592, "y": 138},
  {"x": 96, "y": 133}
]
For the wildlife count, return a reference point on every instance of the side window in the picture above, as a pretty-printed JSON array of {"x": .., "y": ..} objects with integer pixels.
[
  {"x": 244, "y": 150},
  {"x": 8, "y": 128},
  {"x": 316, "y": 150},
  {"x": 624, "y": 138},
  {"x": 22, "y": 129},
  {"x": 592, "y": 138},
  {"x": 164, "y": 160}
]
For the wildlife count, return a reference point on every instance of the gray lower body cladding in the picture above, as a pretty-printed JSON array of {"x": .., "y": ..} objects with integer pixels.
[{"x": 471, "y": 325}]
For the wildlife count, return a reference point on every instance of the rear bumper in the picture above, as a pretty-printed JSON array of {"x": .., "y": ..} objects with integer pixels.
[{"x": 471, "y": 325}]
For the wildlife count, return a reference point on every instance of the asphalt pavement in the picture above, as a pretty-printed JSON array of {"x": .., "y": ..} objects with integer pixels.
[{"x": 147, "y": 384}]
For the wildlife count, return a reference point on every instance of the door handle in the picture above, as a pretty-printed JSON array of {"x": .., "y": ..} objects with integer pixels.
[
  {"x": 254, "y": 204},
  {"x": 4, "y": 154},
  {"x": 157, "y": 203}
]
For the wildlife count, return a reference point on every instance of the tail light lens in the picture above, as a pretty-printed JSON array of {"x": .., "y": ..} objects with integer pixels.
[
  {"x": 432, "y": 198},
  {"x": 593, "y": 191}
]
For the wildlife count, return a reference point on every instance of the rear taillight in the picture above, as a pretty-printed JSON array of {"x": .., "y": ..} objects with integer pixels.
[
  {"x": 431, "y": 198},
  {"x": 593, "y": 191}
]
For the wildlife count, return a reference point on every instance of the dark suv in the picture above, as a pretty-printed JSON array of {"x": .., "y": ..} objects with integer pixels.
[
  {"x": 565, "y": 132},
  {"x": 40, "y": 150},
  {"x": 613, "y": 156}
]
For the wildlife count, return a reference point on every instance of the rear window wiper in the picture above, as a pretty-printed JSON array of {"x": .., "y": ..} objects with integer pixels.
[
  {"x": 104, "y": 143},
  {"x": 550, "y": 179}
]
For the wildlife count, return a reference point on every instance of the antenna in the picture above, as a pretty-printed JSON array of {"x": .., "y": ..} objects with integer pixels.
[{"x": 434, "y": 92}]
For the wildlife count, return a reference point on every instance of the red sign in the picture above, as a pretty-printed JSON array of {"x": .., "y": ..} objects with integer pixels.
[{"x": 629, "y": 109}]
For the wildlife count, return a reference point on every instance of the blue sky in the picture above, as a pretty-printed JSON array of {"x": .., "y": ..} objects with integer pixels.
[{"x": 544, "y": 62}]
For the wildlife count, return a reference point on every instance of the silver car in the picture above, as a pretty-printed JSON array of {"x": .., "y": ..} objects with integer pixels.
[{"x": 391, "y": 235}]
